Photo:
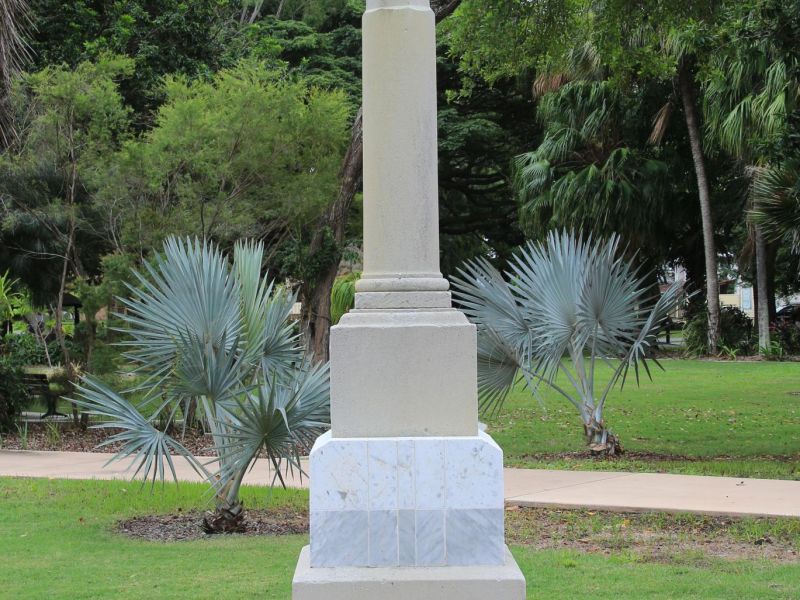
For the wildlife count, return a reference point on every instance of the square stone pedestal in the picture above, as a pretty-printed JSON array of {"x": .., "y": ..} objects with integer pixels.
[
  {"x": 407, "y": 502},
  {"x": 398, "y": 373},
  {"x": 503, "y": 582}
]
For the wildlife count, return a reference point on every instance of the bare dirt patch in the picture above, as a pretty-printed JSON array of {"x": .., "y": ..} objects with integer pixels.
[
  {"x": 184, "y": 526},
  {"x": 655, "y": 537}
]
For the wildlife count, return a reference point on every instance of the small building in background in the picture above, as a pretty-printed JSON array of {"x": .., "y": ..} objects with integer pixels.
[{"x": 735, "y": 293}]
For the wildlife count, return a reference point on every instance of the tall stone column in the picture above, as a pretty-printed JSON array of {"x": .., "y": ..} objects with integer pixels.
[{"x": 406, "y": 492}]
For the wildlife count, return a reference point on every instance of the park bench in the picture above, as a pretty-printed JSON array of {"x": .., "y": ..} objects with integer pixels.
[{"x": 38, "y": 386}]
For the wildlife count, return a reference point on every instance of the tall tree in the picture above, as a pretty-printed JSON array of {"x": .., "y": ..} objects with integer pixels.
[
  {"x": 251, "y": 153},
  {"x": 751, "y": 87},
  {"x": 70, "y": 122},
  {"x": 634, "y": 39}
]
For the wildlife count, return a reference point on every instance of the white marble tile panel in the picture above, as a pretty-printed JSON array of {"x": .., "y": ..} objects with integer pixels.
[
  {"x": 429, "y": 474},
  {"x": 405, "y": 474},
  {"x": 339, "y": 538},
  {"x": 383, "y": 538},
  {"x": 407, "y": 537},
  {"x": 430, "y": 538},
  {"x": 339, "y": 475},
  {"x": 382, "y": 474},
  {"x": 475, "y": 537},
  {"x": 474, "y": 473}
]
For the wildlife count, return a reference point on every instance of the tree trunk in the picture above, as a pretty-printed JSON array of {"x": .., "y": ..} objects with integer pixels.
[
  {"x": 229, "y": 514},
  {"x": 600, "y": 439},
  {"x": 444, "y": 8},
  {"x": 316, "y": 295},
  {"x": 771, "y": 257},
  {"x": 60, "y": 335},
  {"x": 762, "y": 288},
  {"x": 225, "y": 519},
  {"x": 712, "y": 281}
]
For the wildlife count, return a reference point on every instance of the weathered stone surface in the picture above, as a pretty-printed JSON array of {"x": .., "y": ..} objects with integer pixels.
[
  {"x": 429, "y": 501},
  {"x": 404, "y": 373},
  {"x": 504, "y": 582},
  {"x": 406, "y": 493},
  {"x": 401, "y": 214}
]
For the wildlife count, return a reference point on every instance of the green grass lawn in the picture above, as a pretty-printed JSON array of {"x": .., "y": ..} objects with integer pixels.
[
  {"x": 58, "y": 543},
  {"x": 739, "y": 419}
]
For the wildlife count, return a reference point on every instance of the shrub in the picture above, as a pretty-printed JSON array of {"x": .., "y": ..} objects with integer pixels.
[
  {"x": 25, "y": 349},
  {"x": 206, "y": 329},
  {"x": 13, "y": 393},
  {"x": 343, "y": 296},
  {"x": 788, "y": 336},
  {"x": 565, "y": 297},
  {"x": 736, "y": 332}
]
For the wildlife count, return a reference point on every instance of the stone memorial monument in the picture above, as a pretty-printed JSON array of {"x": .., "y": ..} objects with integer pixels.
[{"x": 406, "y": 492}]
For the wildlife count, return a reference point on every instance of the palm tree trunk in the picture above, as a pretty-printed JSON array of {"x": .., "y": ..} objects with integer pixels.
[
  {"x": 712, "y": 281},
  {"x": 762, "y": 288},
  {"x": 229, "y": 514},
  {"x": 600, "y": 439}
]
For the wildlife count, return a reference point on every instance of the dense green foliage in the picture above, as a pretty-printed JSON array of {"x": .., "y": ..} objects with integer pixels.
[
  {"x": 615, "y": 155},
  {"x": 26, "y": 350},
  {"x": 736, "y": 333},
  {"x": 254, "y": 152},
  {"x": 13, "y": 394}
]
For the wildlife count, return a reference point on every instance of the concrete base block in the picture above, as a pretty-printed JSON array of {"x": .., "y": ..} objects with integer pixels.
[
  {"x": 401, "y": 373},
  {"x": 504, "y": 582}
]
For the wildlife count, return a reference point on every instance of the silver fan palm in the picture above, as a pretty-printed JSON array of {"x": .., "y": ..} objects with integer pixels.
[
  {"x": 564, "y": 305},
  {"x": 202, "y": 329}
]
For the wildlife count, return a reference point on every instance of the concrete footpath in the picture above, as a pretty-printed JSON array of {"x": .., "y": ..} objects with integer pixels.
[{"x": 600, "y": 490}]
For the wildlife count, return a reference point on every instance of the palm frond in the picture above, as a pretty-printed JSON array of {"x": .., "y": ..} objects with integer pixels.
[
  {"x": 776, "y": 201},
  {"x": 498, "y": 365},
  {"x": 186, "y": 292},
  {"x": 282, "y": 418},
  {"x": 660, "y": 124},
  {"x": 564, "y": 297},
  {"x": 149, "y": 448},
  {"x": 486, "y": 298}
]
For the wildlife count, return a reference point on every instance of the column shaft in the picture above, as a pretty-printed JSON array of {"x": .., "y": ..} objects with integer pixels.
[{"x": 401, "y": 220}]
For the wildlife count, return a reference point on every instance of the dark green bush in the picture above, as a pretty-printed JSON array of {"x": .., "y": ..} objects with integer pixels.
[
  {"x": 13, "y": 394},
  {"x": 736, "y": 332},
  {"x": 24, "y": 349},
  {"x": 788, "y": 336}
]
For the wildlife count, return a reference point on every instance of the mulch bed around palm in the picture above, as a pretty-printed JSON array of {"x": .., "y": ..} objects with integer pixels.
[
  {"x": 63, "y": 437},
  {"x": 184, "y": 526}
]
